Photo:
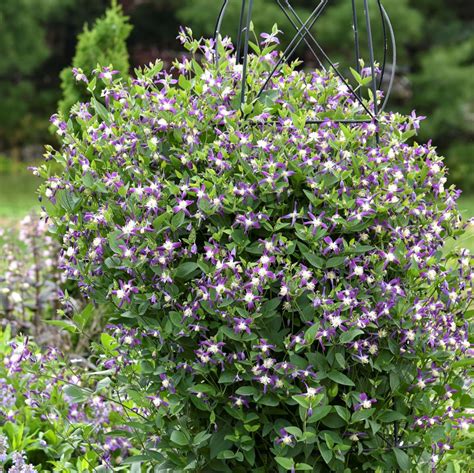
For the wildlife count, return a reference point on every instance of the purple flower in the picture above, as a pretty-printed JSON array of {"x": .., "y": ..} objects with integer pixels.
[
  {"x": 249, "y": 221},
  {"x": 242, "y": 325},
  {"x": 79, "y": 75},
  {"x": 365, "y": 402},
  {"x": 182, "y": 206},
  {"x": 270, "y": 38},
  {"x": 333, "y": 246},
  {"x": 316, "y": 222},
  {"x": 286, "y": 439},
  {"x": 264, "y": 347},
  {"x": 239, "y": 401},
  {"x": 107, "y": 73},
  {"x": 124, "y": 292},
  {"x": 293, "y": 215},
  {"x": 389, "y": 257}
]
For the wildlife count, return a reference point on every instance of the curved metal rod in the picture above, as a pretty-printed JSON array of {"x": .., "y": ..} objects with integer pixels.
[
  {"x": 394, "y": 58},
  {"x": 371, "y": 56},
  {"x": 319, "y": 10},
  {"x": 246, "y": 53},
  {"x": 356, "y": 36},
  {"x": 333, "y": 67},
  {"x": 291, "y": 48},
  {"x": 385, "y": 44},
  {"x": 217, "y": 30},
  {"x": 239, "y": 35}
]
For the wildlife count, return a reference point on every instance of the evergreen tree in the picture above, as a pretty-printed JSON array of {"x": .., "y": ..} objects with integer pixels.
[{"x": 104, "y": 44}]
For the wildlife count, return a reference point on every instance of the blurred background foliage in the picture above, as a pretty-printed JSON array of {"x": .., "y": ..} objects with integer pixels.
[
  {"x": 104, "y": 43},
  {"x": 42, "y": 39}
]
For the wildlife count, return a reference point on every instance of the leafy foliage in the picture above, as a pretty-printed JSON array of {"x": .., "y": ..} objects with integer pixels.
[
  {"x": 42, "y": 426},
  {"x": 280, "y": 298}
]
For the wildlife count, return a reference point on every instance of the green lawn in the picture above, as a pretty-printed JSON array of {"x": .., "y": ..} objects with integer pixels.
[
  {"x": 17, "y": 195},
  {"x": 466, "y": 204}
]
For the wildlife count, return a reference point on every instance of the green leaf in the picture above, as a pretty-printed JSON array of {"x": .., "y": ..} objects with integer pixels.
[
  {"x": 103, "y": 384},
  {"x": 343, "y": 412},
  {"x": 314, "y": 260},
  {"x": 362, "y": 249},
  {"x": 335, "y": 262},
  {"x": 394, "y": 381},
  {"x": 391, "y": 416},
  {"x": 325, "y": 453},
  {"x": 82, "y": 318},
  {"x": 341, "y": 361},
  {"x": 135, "y": 459},
  {"x": 177, "y": 220},
  {"x": 69, "y": 201},
  {"x": 463, "y": 363},
  {"x": 179, "y": 438},
  {"x": 294, "y": 431},
  {"x": 350, "y": 335},
  {"x": 201, "y": 437},
  {"x": 268, "y": 97},
  {"x": 362, "y": 414},
  {"x": 270, "y": 306},
  {"x": 310, "y": 334},
  {"x": 184, "y": 83},
  {"x": 269, "y": 400},
  {"x": 403, "y": 459},
  {"x": 218, "y": 443},
  {"x": 246, "y": 391},
  {"x": 185, "y": 269},
  {"x": 302, "y": 401},
  {"x": 115, "y": 240},
  {"x": 63, "y": 324},
  {"x": 108, "y": 342},
  {"x": 76, "y": 393},
  {"x": 340, "y": 378},
  {"x": 101, "y": 110},
  {"x": 303, "y": 467},
  {"x": 225, "y": 455},
  {"x": 286, "y": 463},
  {"x": 159, "y": 221},
  {"x": 329, "y": 441},
  {"x": 319, "y": 413},
  {"x": 203, "y": 388}
]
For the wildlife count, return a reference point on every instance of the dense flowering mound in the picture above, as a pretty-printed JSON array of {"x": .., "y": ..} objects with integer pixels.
[{"x": 279, "y": 290}]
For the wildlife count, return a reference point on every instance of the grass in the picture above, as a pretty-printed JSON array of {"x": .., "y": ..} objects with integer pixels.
[
  {"x": 17, "y": 196},
  {"x": 466, "y": 204}
]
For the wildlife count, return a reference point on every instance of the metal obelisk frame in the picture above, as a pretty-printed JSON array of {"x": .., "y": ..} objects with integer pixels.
[{"x": 303, "y": 33}]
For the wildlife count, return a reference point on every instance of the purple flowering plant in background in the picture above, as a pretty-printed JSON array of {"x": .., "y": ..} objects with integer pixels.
[
  {"x": 30, "y": 279},
  {"x": 42, "y": 427},
  {"x": 278, "y": 292}
]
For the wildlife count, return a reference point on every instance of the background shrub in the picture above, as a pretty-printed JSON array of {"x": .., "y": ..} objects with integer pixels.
[
  {"x": 105, "y": 43},
  {"x": 279, "y": 295}
]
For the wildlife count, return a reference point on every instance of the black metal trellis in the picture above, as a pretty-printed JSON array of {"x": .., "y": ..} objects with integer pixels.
[{"x": 303, "y": 33}]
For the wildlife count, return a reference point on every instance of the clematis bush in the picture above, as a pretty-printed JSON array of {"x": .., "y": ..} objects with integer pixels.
[{"x": 278, "y": 293}]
